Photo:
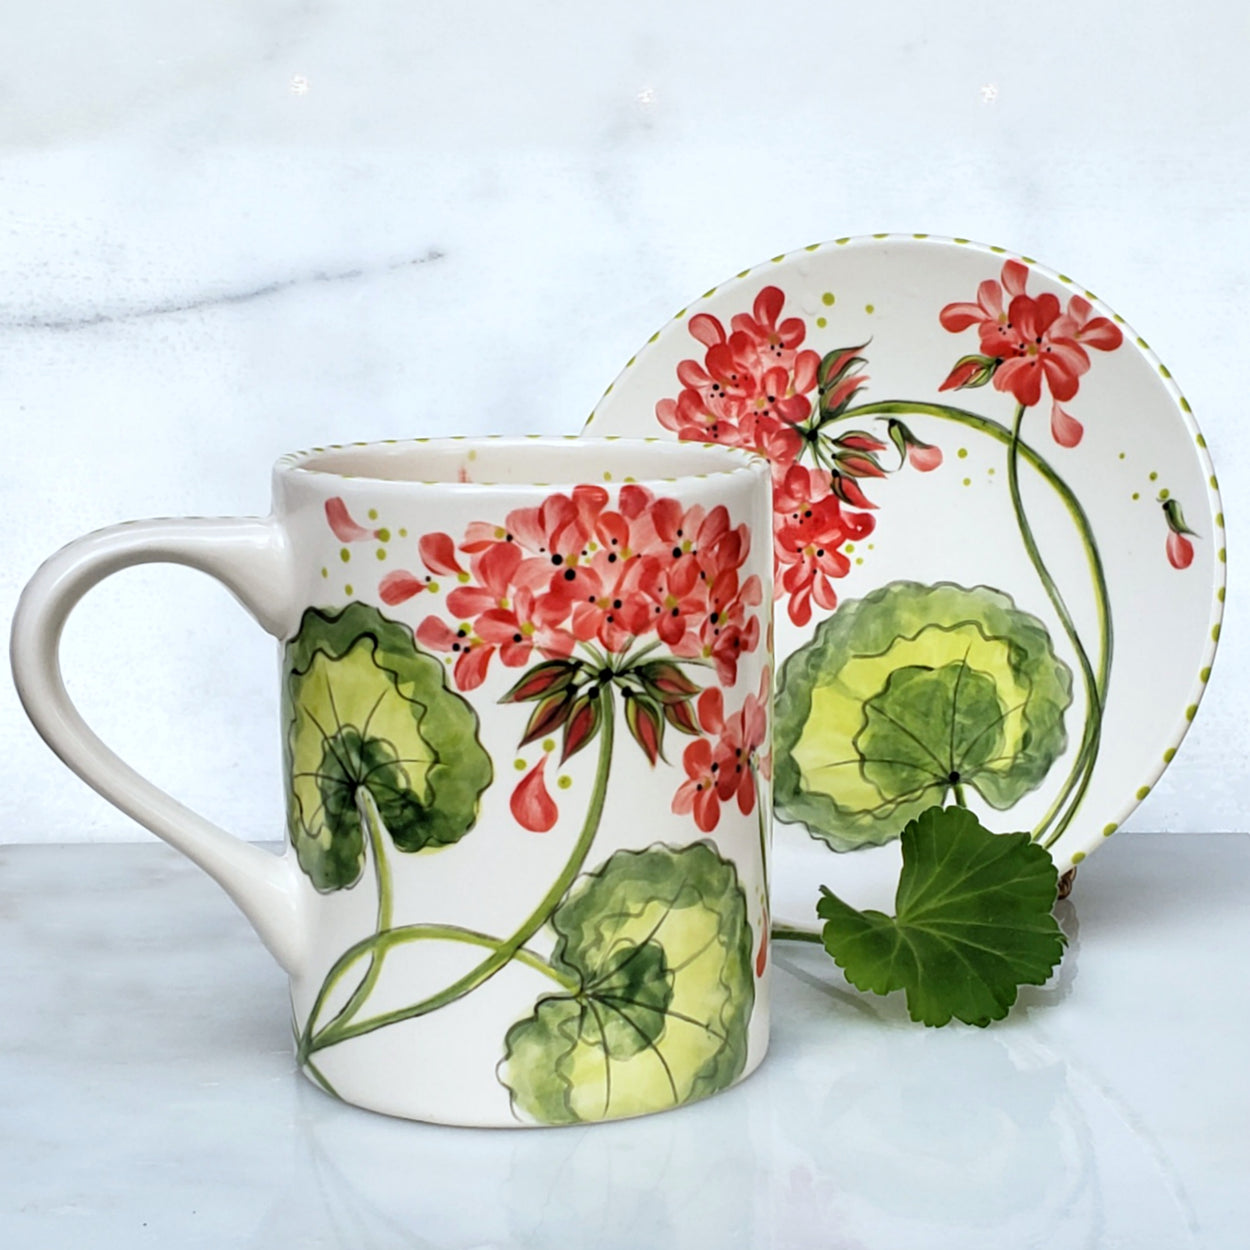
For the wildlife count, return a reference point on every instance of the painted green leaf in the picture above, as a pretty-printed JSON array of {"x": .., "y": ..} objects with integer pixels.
[
  {"x": 659, "y": 943},
  {"x": 368, "y": 712},
  {"x": 973, "y": 922},
  {"x": 905, "y": 694}
]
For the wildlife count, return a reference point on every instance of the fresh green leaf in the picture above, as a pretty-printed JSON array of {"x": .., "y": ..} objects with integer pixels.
[
  {"x": 659, "y": 944},
  {"x": 908, "y": 693},
  {"x": 972, "y": 922},
  {"x": 366, "y": 710}
]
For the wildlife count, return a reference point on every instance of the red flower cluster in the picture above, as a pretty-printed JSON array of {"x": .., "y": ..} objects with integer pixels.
[
  {"x": 755, "y": 388},
  {"x": 715, "y": 774},
  {"x": 1029, "y": 343},
  {"x": 575, "y": 570}
]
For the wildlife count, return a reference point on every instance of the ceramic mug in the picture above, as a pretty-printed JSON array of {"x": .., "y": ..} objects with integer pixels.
[{"x": 525, "y": 716}]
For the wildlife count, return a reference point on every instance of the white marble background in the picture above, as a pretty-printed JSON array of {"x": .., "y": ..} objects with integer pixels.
[{"x": 234, "y": 229}]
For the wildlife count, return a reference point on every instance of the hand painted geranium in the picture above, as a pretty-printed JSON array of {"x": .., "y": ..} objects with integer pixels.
[
  {"x": 585, "y": 590},
  {"x": 758, "y": 387},
  {"x": 1029, "y": 344}
]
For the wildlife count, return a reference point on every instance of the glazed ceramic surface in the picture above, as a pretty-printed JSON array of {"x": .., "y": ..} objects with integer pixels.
[
  {"x": 998, "y": 541},
  {"x": 524, "y": 733}
]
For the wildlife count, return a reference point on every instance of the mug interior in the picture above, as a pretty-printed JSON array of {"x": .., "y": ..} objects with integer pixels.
[{"x": 522, "y": 461}]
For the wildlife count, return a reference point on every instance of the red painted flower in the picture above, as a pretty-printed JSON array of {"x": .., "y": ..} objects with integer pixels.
[
  {"x": 1029, "y": 344},
  {"x": 345, "y": 529},
  {"x": 1179, "y": 547},
  {"x": 697, "y": 795},
  {"x": 810, "y": 529}
]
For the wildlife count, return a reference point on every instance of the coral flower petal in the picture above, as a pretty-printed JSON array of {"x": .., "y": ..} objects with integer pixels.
[{"x": 531, "y": 804}]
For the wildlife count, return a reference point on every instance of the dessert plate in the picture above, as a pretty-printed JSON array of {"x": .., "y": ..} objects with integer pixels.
[{"x": 997, "y": 536}]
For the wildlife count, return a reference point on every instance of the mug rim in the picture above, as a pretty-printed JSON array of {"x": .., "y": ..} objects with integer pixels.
[{"x": 318, "y": 463}]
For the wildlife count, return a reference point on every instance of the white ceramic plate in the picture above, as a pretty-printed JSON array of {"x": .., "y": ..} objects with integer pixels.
[{"x": 1021, "y": 622}]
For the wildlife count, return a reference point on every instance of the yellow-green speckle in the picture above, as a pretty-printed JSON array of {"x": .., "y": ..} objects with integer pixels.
[
  {"x": 708, "y": 294},
  {"x": 1163, "y": 495},
  {"x": 348, "y": 589},
  {"x": 549, "y": 745},
  {"x": 1205, "y": 675},
  {"x": 564, "y": 781},
  {"x": 961, "y": 240},
  {"x": 822, "y": 322},
  {"x": 1077, "y": 856},
  {"x": 1154, "y": 477},
  {"x": 827, "y": 299},
  {"x": 859, "y": 559},
  {"x": 1214, "y": 483},
  {"x": 962, "y": 453},
  {"x": 381, "y": 553},
  {"x": 325, "y": 572},
  {"x": 1108, "y": 830},
  {"x": 1121, "y": 455},
  {"x": 1215, "y": 629},
  {"x": 1028, "y": 260},
  {"x": 344, "y": 554},
  {"x": 849, "y": 548},
  {"x": 1186, "y": 408},
  {"x": 1142, "y": 791},
  {"x": 1137, "y": 494},
  {"x": 1169, "y": 755},
  {"x": 777, "y": 259},
  {"x": 519, "y": 764},
  {"x": 1163, "y": 371},
  {"x": 1219, "y": 519},
  {"x": 1221, "y": 555},
  {"x": 607, "y": 477},
  {"x": 373, "y": 514},
  {"x": 1219, "y": 594},
  {"x": 384, "y": 535},
  {"x": 840, "y": 242},
  {"x": 999, "y": 251},
  {"x": 403, "y": 533},
  {"x": 812, "y": 247},
  {"x": 1063, "y": 277},
  {"x": 1141, "y": 342},
  {"x": 870, "y": 308},
  {"x": 967, "y": 481},
  {"x": 1191, "y": 711}
]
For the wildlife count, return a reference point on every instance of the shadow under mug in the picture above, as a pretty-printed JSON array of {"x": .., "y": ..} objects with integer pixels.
[{"x": 525, "y": 720}]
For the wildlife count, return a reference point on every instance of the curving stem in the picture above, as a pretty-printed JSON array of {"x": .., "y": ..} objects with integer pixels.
[
  {"x": 501, "y": 953},
  {"x": 1096, "y": 682}
]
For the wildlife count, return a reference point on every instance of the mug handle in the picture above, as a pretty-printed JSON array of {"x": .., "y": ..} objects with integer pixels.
[{"x": 251, "y": 557}]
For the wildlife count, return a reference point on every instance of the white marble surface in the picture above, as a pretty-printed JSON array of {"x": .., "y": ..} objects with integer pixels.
[
  {"x": 230, "y": 230},
  {"x": 148, "y": 1095}
]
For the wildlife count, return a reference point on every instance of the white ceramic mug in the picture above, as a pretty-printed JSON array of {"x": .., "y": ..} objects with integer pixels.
[{"x": 525, "y": 714}]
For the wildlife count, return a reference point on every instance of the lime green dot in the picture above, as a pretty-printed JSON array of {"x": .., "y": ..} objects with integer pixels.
[
  {"x": 1186, "y": 408},
  {"x": 1137, "y": 494},
  {"x": 1163, "y": 495},
  {"x": 549, "y": 744},
  {"x": 827, "y": 299},
  {"x": 1215, "y": 629},
  {"x": 383, "y": 535},
  {"x": 872, "y": 546},
  {"x": 519, "y": 764},
  {"x": 325, "y": 572},
  {"x": 870, "y": 308},
  {"x": 822, "y": 322},
  {"x": 967, "y": 481},
  {"x": 859, "y": 559},
  {"x": 381, "y": 553},
  {"x": 348, "y": 589},
  {"x": 1214, "y": 484},
  {"x": 1205, "y": 675},
  {"x": 1141, "y": 342},
  {"x": 1219, "y": 594},
  {"x": 1121, "y": 455},
  {"x": 962, "y": 453},
  {"x": 882, "y": 235},
  {"x": 998, "y": 251},
  {"x": 840, "y": 242},
  {"x": 1077, "y": 856},
  {"x": 1163, "y": 370},
  {"x": 1028, "y": 260},
  {"x": 1191, "y": 711},
  {"x": 373, "y": 514},
  {"x": 778, "y": 259},
  {"x": 403, "y": 533},
  {"x": 961, "y": 240},
  {"x": 1202, "y": 442},
  {"x": 1169, "y": 755},
  {"x": 1219, "y": 519},
  {"x": 991, "y": 470},
  {"x": 1063, "y": 277},
  {"x": 344, "y": 554},
  {"x": 564, "y": 781},
  {"x": 1221, "y": 556},
  {"x": 849, "y": 548},
  {"x": 1143, "y": 791},
  {"x": 1154, "y": 477},
  {"x": 607, "y": 477},
  {"x": 432, "y": 587},
  {"x": 1108, "y": 830},
  {"x": 472, "y": 454}
]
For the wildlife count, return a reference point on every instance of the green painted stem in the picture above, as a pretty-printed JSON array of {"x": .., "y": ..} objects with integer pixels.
[
  {"x": 1096, "y": 685},
  {"x": 511, "y": 947},
  {"x": 958, "y": 792},
  {"x": 783, "y": 933}
]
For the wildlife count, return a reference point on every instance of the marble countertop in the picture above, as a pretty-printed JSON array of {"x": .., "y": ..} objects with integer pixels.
[{"x": 148, "y": 1095}]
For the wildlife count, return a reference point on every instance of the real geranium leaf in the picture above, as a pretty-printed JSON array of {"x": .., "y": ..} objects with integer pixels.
[{"x": 973, "y": 922}]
